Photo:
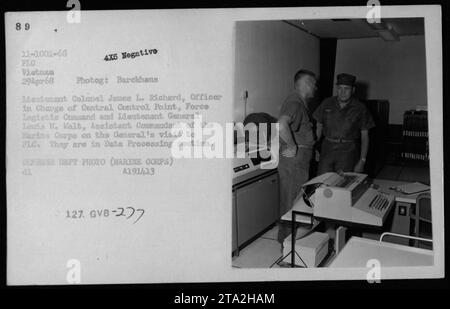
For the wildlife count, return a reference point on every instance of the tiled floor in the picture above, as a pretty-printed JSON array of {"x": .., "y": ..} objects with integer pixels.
[
  {"x": 271, "y": 234},
  {"x": 262, "y": 253},
  {"x": 265, "y": 251}
]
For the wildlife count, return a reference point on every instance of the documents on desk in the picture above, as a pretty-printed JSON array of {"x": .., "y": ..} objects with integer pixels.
[
  {"x": 347, "y": 197},
  {"x": 412, "y": 188}
]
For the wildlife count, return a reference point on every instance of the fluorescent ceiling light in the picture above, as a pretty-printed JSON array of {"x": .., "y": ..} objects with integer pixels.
[
  {"x": 385, "y": 31},
  {"x": 388, "y": 35}
]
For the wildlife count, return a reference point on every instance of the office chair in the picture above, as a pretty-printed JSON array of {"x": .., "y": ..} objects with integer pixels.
[{"x": 423, "y": 225}]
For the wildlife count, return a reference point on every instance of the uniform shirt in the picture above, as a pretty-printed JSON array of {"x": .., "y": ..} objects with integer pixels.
[
  {"x": 346, "y": 123},
  {"x": 300, "y": 124}
]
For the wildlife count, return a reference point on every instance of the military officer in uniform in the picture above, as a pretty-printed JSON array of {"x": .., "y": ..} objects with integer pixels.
[
  {"x": 297, "y": 139},
  {"x": 344, "y": 122}
]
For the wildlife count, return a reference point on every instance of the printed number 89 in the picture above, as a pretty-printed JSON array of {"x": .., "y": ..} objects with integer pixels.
[{"x": 19, "y": 26}]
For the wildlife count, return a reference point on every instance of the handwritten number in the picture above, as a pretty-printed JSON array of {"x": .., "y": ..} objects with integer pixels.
[
  {"x": 142, "y": 210},
  {"x": 131, "y": 213},
  {"x": 121, "y": 214},
  {"x": 78, "y": 214}
]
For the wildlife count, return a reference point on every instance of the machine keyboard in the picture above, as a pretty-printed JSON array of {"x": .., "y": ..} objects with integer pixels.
[{"x": 379, "y": 202}]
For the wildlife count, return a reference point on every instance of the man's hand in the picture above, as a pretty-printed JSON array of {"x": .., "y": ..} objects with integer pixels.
[
  {"x": 290, "y": 151},
  {"x": 359, "y": 167}
]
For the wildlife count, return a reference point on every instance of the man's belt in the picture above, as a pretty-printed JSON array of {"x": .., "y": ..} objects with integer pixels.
[
  {"x": 305, "y": 146},
  {"x": 340, "y": 140}
]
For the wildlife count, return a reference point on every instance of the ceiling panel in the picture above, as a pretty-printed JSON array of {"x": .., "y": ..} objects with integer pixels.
[{"x": 356, "y": 28}]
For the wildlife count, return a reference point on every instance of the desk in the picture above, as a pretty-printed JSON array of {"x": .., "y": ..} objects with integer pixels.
[
  {"x": 358, "y": 251},
  {"x": 385, "y": 184},
  {"x": 399, "y": 224}
]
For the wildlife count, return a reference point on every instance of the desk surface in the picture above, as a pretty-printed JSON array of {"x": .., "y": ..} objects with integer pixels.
[
  {"x": 384, "y": 184},
  {"x": 358, "y": 251}
]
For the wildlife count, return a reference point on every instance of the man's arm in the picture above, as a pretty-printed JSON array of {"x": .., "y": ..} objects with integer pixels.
[
  {"x": 285, "y": 131},
  {"x": 364, "y": 144},
  {"x": 286, "y": 136},
  {"x": 359, "y": 168}
]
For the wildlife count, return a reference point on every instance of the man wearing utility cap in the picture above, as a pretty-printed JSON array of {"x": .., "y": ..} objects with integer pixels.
[{"x": 344, "y": 122}]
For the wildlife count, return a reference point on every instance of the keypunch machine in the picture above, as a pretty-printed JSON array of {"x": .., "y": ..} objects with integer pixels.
[{"x": 255, "y": 198}]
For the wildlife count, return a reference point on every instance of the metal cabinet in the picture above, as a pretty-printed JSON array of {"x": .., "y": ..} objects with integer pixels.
[{"x": 256, "y": 206}]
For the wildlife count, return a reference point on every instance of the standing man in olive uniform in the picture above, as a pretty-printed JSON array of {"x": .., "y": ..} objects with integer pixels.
[
  {"x": 345, "y": 122},
  {"x": 296, "y": 143}
]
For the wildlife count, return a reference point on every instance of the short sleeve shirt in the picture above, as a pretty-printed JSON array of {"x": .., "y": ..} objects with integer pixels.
[
  {"x": 346, "y": 123},
  {"x": 301, "y": 125}
]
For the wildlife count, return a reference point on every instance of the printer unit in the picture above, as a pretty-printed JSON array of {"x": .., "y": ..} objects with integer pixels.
[{"x": 349, "y": 197}]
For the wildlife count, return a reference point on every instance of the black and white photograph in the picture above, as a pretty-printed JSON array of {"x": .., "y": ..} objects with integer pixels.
[
  {"x": 352, "y": 185},
  {"x": 229, "y": 145}
]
